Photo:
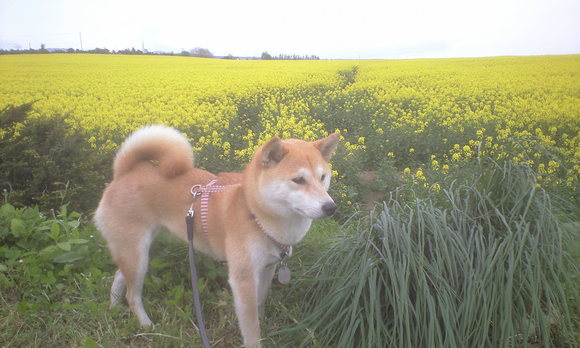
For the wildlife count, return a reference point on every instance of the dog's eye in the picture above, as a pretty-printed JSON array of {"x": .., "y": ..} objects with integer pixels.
[
  {"x": 323, "y": 177},
  {"x": 299, "y": 180}
]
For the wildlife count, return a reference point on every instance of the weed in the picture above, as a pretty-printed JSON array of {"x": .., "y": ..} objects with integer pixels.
[{"x": 485, "y": 267}]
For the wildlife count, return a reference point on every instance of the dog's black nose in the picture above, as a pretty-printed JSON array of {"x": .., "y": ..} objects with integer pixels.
[{"x": 329, "y": 208}]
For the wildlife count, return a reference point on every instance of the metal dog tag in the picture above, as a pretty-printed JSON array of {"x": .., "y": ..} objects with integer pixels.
[{"x": 284, "y": 274}]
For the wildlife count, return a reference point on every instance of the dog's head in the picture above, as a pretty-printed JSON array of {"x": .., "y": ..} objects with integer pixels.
[{"x": 293, "y": 176}]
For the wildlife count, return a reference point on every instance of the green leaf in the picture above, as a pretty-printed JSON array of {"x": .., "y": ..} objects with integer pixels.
[
  {"x": 49, "y": 249},
  {"x": 64, "y": 246},
  {"x": 74, "y": 223},
  {"x": 68, "y": 257},
  {"x": 54, "y": 231},
  {"x": 7, "y": 210},
  {"x": 78, "y": 241},
  {"x": 17, "y": 227},
  {"x": 63, "y": 212}
]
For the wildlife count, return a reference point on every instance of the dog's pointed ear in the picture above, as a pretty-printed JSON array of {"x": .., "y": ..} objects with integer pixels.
[
  {"x": 327, "y": 145},
  {"x": 273, "y": 152}
]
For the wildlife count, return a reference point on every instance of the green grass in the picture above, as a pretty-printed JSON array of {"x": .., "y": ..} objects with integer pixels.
[
  {"x": 481, "y": 263},
  {"x": 48, "y": 300}
]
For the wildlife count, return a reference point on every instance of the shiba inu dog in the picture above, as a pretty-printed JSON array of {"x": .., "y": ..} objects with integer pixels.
[{"x": 250, "y": 222}]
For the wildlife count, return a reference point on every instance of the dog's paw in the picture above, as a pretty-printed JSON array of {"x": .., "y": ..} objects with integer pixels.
[{"x": 148, "y": 325}]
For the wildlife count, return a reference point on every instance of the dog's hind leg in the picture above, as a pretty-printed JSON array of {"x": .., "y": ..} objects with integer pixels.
[
  {"x": 133, "y": 261},
  {"x": 117, "y": 289}
]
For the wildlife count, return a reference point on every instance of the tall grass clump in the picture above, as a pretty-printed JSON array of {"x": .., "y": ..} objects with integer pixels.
[{"x": 481, "y": 263}]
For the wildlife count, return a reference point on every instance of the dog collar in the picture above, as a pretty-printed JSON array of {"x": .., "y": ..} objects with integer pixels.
[{"x": 285, "y": 249}]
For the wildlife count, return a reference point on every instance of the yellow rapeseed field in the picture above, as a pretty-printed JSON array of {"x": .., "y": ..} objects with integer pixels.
[{"x": 424, "y": 116}]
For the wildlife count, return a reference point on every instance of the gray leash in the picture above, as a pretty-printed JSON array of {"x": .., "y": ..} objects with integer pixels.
[{"x": 196, "y": 301}]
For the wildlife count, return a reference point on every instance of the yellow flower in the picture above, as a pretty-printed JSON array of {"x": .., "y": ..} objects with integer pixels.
[
  {"x": 205, "y": 99},
  {"x": 420, "y": 175},
  {"x": 553, "y": 167},
  {"x": 435, "y": 164}
]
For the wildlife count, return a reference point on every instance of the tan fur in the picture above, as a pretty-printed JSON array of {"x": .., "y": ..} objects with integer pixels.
[{"x": 153, "y": 175}]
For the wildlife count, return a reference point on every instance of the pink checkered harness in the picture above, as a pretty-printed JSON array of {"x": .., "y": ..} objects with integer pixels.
[{"x": 205, "y": 191}]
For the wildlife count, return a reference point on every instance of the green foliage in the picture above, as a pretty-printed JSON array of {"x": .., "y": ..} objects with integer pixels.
[
  {"x": 55, "y": 276},
  {"x": 479, "y": 263},
  {"x": 482, "y": 265},
  {"x": 36, "y": 249},
  {"x": 42, "y": 162}
]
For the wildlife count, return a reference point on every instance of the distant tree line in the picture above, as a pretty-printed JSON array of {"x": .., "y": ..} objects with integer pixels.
[
  {"x": 127, "y": 51},
  {"x": 196, "y": 52},
  {"x": 268, "y": 56},
  {"x": 44, "y": 50}
]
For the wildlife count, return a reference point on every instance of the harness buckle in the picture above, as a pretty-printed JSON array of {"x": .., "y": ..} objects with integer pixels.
[{"x": 196, "y": 190}]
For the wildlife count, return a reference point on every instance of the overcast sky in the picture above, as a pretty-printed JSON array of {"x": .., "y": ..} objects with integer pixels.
[{"x": 329, "y": 29}]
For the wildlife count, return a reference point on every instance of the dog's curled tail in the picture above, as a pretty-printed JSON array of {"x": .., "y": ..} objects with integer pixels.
[{"x": 162, "y": 145}]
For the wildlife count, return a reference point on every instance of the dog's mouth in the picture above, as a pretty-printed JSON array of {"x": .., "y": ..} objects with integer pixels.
[{"x": 325, "y": 210}]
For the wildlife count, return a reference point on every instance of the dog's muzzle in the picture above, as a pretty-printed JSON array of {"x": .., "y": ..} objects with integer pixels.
[{"x": 329, "y": 208}]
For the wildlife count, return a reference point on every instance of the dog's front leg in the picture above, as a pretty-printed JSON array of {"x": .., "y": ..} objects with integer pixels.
[
  {"x": 264, "y": 282},
  {"x": 243, "y": 279}
]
